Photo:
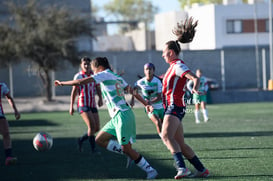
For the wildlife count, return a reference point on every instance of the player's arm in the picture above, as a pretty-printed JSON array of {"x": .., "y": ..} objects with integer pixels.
[
  {"x": 98, "y": 90},
  {"x": 132, "y": 101},
  {"x": 12, "y": 104},
  {"x": 74, "y": 82},
  {"x": 196, "y": 82},
  {"x": 156, "y": 99},
  {"x": 74, "y": 92}
]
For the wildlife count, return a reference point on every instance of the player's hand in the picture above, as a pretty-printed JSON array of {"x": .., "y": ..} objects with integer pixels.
[
  {"x": 100, "y": 102},
  {"x": 17, "y": 115},
  {"x": 71, "y": 111},
  {"x": 58, "y": 83},
  {"x": 193, "y": 91},
  {"x": 149, "y": 108}
]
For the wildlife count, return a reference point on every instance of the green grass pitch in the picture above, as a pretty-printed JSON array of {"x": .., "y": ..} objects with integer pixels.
[{"x": 236, "y": 144}]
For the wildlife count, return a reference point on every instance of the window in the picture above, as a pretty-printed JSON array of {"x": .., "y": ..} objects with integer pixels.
[
  {"x": 247, "y": 26},
  {"x": 234, "y": 26}
]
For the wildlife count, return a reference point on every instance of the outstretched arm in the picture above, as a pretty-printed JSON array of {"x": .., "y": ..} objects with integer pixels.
[{"x": 74, "y": 82}]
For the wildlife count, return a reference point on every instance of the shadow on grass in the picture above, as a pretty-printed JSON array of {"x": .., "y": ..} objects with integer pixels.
[
  {"x": 212, "y": 135},
  {"x": 29, "y": 123},
  {"x": 64, "y": 161}
]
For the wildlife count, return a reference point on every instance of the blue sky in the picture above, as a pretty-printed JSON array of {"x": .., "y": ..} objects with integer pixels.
[{"x": 163, "y": 5}]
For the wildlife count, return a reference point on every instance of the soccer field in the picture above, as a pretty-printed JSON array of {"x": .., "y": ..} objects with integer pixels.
[{"x": 236, "y": 144}]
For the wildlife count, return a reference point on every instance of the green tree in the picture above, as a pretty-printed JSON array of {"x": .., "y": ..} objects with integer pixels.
[
  {"x": 131, "y": 10},
  {"x": 47, "y": 36},
  {"x": 7, "y": 50},
  {"x": 190, "y": 2}
]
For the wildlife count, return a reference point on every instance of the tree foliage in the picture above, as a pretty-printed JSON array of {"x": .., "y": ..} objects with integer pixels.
[
  {"x": 45, "y": 35},
  {"x": 190, "y": 2},
  {"x": 7, "y": 50},
  {"x": 131, "y": 10}
]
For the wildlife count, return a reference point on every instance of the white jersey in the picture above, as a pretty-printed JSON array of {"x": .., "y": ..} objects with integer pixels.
[
  {"x": 112, "y": 89},
  {"x": 4, "y": 90},
  {"x": 150, "y": 90}
]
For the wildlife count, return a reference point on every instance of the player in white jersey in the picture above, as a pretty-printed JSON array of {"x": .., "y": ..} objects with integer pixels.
[
  {"x": 4, "y": 125},
  {"x": 122, "y": 123},
  {"x": 200, "y": 100},
  {"x": 87, "y": 104},
  {"x": 151, "y": 90}
]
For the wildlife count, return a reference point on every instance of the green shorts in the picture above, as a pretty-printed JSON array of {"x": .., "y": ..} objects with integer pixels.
[
  {"x": 197, "y": 99},
  {"x": 122, "y": 126},
  {"x": 158, "y": 112}
]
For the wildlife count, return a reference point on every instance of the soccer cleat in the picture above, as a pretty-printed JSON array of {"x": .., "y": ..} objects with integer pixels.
[
  {"x": 197, "y": 121},
  {"x": 182, "y": 172},
  {"x": 11, "y": 161},
  {"x": 206, "y": 120},
  {"x": 80, "y": 145},
  {"x": 199, "y": 174},
  {"x": 152, "y": 174},
  {"x": 129, "y": 162}
]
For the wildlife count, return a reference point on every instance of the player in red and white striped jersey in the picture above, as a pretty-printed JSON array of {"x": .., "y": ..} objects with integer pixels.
[
  {"x": 4, "y": 126},
  {"x": 173, "y": 90},
  {"x": 87, "y": 103}
]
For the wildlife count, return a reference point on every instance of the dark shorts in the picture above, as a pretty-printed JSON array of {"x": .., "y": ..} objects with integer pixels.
[
  {"x": 176, "y": 111},
  {"x": 87, "y": 109}
]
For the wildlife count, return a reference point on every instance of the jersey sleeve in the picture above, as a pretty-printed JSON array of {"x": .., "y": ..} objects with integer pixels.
[
  {"x": 5, "y": 89},
  {"x": 181, "y": 69},
  {"x": 159, "y": 87}
]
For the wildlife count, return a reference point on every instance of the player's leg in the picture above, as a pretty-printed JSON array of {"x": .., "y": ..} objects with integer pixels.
[
  {"x": 96, "y": 122},
  {"x": 196, "y": 100},
  {"x": 90, "y": 136},
  {"x": 4, "y": 130},
  {"x": 140, "y": 161},
  {"x": 190, "y": 155},
  {"x": 169, "y": 128},
  {"x": 204, "y": 111},
  {"x": 104, "y": 136},
  {"x": 157, "y": 122}
]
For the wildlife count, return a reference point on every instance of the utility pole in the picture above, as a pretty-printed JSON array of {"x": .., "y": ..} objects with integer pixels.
[{"x": 270, "y": 82}]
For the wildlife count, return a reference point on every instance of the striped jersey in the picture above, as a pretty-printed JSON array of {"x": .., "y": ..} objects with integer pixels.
[
  {"x": 174, "y": 84},
  {"x": 4, "y": 90},
  {"x": 86, "y": 92},
  {"x": 150, "y": 90},
  {"x": 112, "y": 89}
]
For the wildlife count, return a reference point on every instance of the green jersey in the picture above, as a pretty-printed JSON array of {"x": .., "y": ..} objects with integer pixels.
[
  {"x": 150, "y": 90},
  {"x": 112, "y": 89}
]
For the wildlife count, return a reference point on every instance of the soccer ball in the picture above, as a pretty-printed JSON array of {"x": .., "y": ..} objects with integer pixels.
[{"x": 42, "y": 141}]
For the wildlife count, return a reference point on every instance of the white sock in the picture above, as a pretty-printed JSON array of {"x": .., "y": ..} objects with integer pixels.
[
  {"x": 196, "y": 114},
  {"x": 115, "y": 147},
  {"x": 205, "y": 114},
  {"x": 144, "y": 165}
]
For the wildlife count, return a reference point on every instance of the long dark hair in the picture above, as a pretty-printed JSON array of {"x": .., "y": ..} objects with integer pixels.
[
  {"x": 101, "y": 61},
  {"x": 185, "y": 32}
]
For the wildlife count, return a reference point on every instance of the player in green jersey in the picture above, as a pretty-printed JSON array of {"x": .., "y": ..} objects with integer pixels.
[
  {"x": 200, "y": 100},
  {"x": 122, "y": 123},
  {"x": 151, "y": 91}
]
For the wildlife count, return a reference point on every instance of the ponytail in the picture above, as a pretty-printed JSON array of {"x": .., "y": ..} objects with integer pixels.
[{"x": 185, "y": 31}]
